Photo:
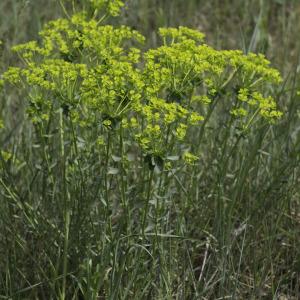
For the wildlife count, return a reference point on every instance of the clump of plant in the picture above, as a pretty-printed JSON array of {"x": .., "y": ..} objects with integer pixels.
[
  {"x": 97, "y": 74},
  {"x": 114, "y": 127}
]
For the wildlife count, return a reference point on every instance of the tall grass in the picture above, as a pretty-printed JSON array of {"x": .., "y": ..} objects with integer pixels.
[{"x": 78, "y": 223}]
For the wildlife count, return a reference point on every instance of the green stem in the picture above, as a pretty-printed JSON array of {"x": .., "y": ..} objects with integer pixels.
[
  {"x": 66, "y": 208},
  {"x": 146, "y": 208},
  {"x": 212, "y": 107},
  {"x": 106, "y": 184},
  {"x": 64, "y": 9},
  {"x": 106, "y": 170},
  {"x": 123, "y": 182},
  {"x": 201, "y": 134}
]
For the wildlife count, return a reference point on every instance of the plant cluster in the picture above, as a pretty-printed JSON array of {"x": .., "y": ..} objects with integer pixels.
[
  {"x": 114, "y": 166},
  {"x": 97, "y": 75}
]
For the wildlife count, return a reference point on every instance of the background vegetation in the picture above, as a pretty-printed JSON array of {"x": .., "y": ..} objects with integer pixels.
[{"x": 229, "y": 229}]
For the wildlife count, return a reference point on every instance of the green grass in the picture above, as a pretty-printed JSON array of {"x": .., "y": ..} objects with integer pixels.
[{"x": 77, "y": 226}]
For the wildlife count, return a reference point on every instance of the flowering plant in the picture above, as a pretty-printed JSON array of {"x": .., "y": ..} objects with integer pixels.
[
  {"x": 115, "y": 161},
  {"x": 97, "y": 74}
]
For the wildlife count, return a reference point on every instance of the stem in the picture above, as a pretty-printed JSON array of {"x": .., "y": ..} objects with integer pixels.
[
  {"x": 106, "y": 170},
  {"x": 64, "y": 9},
  {"x": 212, "y": 107},
  {"x": 106, "y": 184},
  {"x": 147, "y": 201},
  {"x": 66, "y": 207},
  {"x": 201, "y": 134},
  {"x": 123, "y": 190}
]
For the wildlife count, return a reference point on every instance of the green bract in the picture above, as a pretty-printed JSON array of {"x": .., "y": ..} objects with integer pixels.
[{"x": 98, "y": 75}]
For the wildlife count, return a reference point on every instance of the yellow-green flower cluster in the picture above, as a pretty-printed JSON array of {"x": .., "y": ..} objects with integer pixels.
[
  {"x": 97, "y": 74},
  {"x": 80, "y": 39},
  {"x": 190, "y": 158},
  {"x": 105, "y": 7},
  {"x": 112, "y": 7},
  {"x": 181, "y": 34},
  {"x": 192, "y": 74},
  {"x": 253, "y": 67},
  {"x": 39, "y": 107},
  {"x": 266, "y": 105},
  {"x": 112, "y": 89},
  {"x": 203, "y": 99},
  {"x": 81, "y": 62},
  {"x": 239, "y": 112},
  {"x": 12, "y": 75},
  {"x": 157, "y": 119},
  {"x": 54, "y": 76},
  {"x": 6, "y": 155}
]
